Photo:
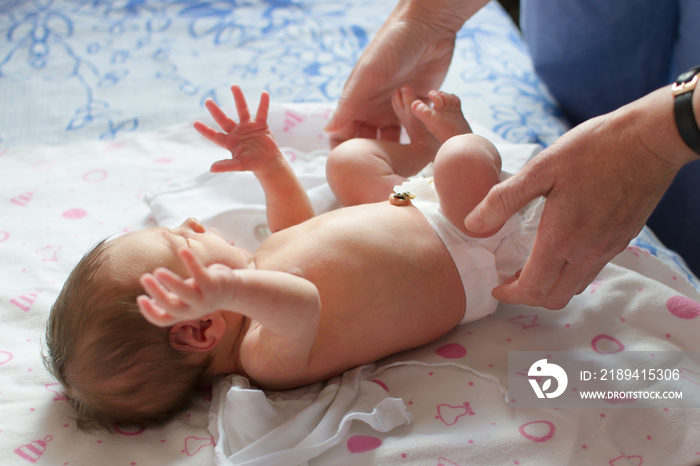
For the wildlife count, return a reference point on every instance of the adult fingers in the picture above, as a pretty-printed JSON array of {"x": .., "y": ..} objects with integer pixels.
[
  {"x": 520, "y": 291},
  {"x": 359, "y": 129},
  {"x": 345, "y": 112},
  {"x": 589, "y": 279},
  {"x": 366, "y": 131},
  {"x": 373, "y": 118},
  {"x": 390, "y": 133},
  {"x": 548, "y": 280},
  {"x": 338, "y": 137},
  {"x": 555, "y": 289},
  {"x": 507, "y": 198},
  {"x": 536, "y": 285}
]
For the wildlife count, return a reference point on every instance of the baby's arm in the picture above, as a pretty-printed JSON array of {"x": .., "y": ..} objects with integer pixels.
[
  {"x": 285, "y": 309},
  {"x": 253, "y": 148}
]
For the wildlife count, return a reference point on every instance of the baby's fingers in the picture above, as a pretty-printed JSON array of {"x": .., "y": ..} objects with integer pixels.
[
  {"x": 220, "y": 117},
  {"x": 241, "y": 104},
  {"x": 194, "y": 266},
  {"x": 159, "y": 294},
  {"x": 185, "y": 291},
  {"x": 227, "y": 165},
  {"x": 211, "y": 282},
  {"x": 263, "y": 107},
  {"x": 153, "y": 313},
  {"x": 210, "y": 133}
]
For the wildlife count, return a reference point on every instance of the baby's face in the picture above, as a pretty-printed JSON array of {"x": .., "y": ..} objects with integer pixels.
[{"x": 144, "y": 250}]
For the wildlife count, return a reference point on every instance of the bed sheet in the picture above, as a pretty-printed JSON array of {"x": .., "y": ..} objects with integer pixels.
[
  {"x": 453, "y": 390},
  {"x": 97, "y": 104},
  {"x": 79, "y": 69},
  {"x": 456, "y": 405}
]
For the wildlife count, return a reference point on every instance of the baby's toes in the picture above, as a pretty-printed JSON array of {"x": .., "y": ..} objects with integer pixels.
[
  {"x": 422, "y": 111},
  {"x": 437, "y": 99},
  {"x": 444, "y": 100},
  {"x": 451, "y": 100}
]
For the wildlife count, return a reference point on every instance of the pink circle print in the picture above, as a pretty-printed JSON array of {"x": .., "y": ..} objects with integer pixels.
[
  {"x": 451, "y": 351},
  {"x": 363, "y": 443},
  {"x": 605, "y": 344},
  {"x": 540, "y": 431},
  {"x": 5, "y": 357},
  {"x": 74, "y": 214},
  {"x": 682, "y": 307},
  {"x": 95, "y": 176}
]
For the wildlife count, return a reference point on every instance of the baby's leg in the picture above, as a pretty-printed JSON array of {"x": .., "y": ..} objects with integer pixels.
[
  {"x": 466, "y": 168},
  {"x": 361, "y": 171},
  {"x": 466, "y": 165}
]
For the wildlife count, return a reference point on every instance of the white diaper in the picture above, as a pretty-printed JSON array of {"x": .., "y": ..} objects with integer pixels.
[{"x": 483, "y": 263}]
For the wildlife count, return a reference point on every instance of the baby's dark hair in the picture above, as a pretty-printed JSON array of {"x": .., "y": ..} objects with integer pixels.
[{"x": 115, "y": 367}]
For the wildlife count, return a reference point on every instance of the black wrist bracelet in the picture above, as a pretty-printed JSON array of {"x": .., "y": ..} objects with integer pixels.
[{"x": 682, "y": 91}]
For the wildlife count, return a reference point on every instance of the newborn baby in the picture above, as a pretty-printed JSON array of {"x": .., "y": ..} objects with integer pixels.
[{"x": 148, "y": 318}]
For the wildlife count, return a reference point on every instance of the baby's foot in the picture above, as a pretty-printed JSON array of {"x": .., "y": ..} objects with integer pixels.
[
  {"x": 444, "y": 118},
  {"x": 424, "y": 144}
]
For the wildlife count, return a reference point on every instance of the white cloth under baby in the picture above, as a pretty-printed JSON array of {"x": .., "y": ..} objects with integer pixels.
[
  {"x": 234, "y": 203},
  {"x": 251, "y": 427},
  {"x": 482, "y": 263}
]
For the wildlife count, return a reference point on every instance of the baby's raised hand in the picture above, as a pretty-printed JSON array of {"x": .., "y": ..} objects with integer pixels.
[
  {"x": 250, "y": 141},
  {"x": 172, "y": 299}
]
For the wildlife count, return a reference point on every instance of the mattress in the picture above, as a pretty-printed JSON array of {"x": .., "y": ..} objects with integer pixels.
[{"x": 96, "y": 139}]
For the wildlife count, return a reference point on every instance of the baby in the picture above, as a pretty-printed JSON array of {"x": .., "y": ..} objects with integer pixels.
[{"x": 319, "y": 296}]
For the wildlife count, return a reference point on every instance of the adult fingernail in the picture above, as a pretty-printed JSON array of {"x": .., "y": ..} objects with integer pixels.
[
  {"x": 330, "y": 125},
  {"x": 474, "y": 221}
]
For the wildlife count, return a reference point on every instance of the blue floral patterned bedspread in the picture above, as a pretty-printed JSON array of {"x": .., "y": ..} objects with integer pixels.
[
  {"x": 83, "y": 69},
  {"x": 77, "y": 69}
]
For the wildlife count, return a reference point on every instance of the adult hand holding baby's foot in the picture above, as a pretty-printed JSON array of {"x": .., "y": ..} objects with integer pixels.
[
  {"x": 172, "y": 299},
  {"x": 250, "y": 141}
]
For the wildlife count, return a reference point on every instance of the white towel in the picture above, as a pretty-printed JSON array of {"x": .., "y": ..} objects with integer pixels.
[
  {"x": 234, "y": 203},
  {"x": 289, "y": 428}
]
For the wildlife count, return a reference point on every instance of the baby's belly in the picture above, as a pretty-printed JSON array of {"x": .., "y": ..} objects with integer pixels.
[
  {"x": 386, "y": 281},
  {"x": 373, "y": 243}
]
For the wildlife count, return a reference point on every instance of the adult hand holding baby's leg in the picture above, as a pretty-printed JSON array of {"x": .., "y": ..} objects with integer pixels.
[
  {"x": 250, "y": 141},
  {"x": 172, "y": 299}
]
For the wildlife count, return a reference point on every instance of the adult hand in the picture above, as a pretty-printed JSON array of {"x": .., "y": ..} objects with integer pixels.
[
  {"x": 601, "y": 180},
  {"x": 414, "y": 47}
]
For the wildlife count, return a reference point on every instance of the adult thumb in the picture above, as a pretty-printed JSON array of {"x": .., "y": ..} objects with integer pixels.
[
  {"x": 501, "y": 203},
  {"x": 341, "y": 125}
]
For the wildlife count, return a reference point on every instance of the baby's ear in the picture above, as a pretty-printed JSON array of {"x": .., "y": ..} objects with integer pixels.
[{"x": 198, "y": 335}]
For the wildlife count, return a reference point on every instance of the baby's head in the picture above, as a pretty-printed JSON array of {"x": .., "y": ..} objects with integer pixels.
[{"x": 115, "y": 367}]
